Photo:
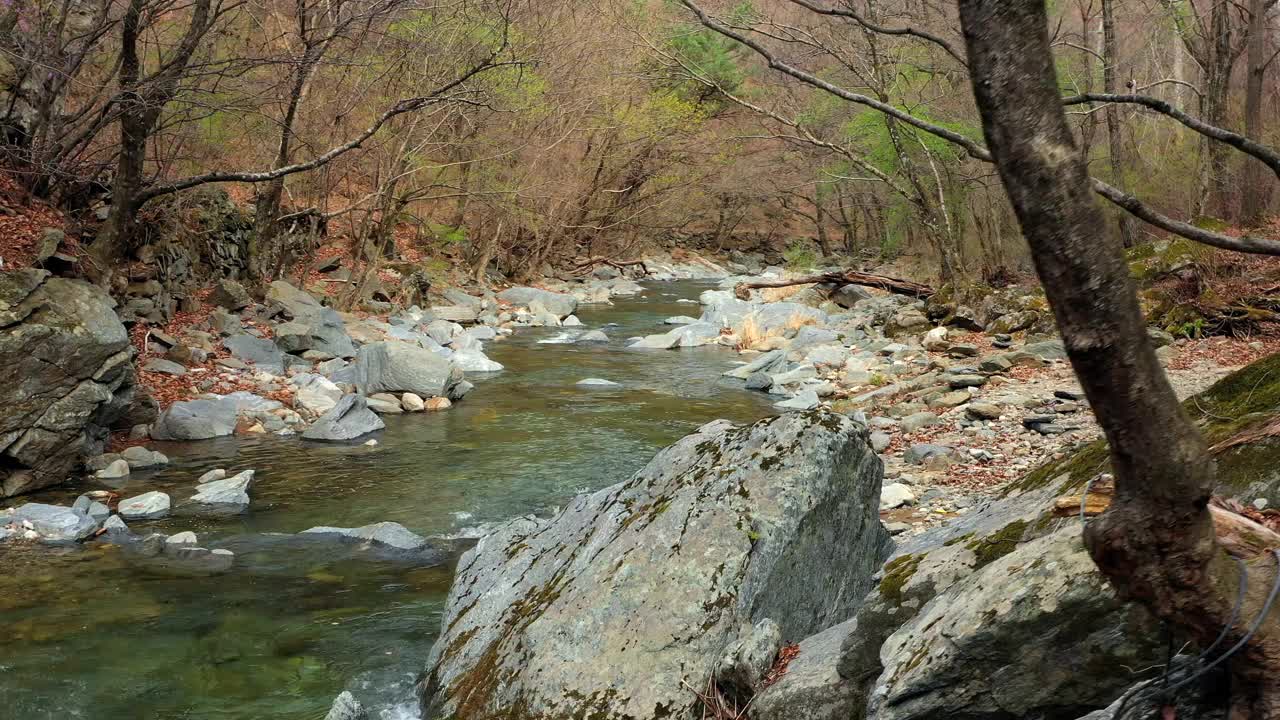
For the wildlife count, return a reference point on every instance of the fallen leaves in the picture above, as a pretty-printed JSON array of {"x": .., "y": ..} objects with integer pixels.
[{"x": 779, "y": 669}]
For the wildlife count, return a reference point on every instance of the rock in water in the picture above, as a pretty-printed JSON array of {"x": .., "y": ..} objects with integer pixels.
[
  {"x": 147, "y": 506},
  {"x": 348, "y": 420},
  {"x": 559, "y": 304},
  {"x": 346, "y": 707},
  {"x": 65, "y": 377},
  {"x": 604, "y": 609},
  {"x": 222, "y": 497},
  {"x": 400, "y": 367}
]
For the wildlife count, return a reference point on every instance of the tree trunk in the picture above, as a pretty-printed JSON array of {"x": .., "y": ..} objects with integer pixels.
[
  {"x": 1255, "y": 180},
  {"x": 1217, "y": 88},
  {"x": 1115, "y": 140},
  {"x": 1156, "y": 542}
]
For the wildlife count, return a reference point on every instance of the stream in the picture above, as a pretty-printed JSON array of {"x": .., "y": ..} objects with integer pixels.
[{"x": 85, "y": 634}]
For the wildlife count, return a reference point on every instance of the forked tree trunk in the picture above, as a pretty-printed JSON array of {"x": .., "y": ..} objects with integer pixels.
[{"x": 1156, "y": 542}]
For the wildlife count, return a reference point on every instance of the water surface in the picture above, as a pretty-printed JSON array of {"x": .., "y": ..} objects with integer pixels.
[{"x": 85, "y": 634}]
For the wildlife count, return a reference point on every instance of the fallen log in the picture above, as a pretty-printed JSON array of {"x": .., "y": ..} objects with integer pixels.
[
  {"x": 840, "y": 278},
  {"x": 619, "y": 264},
  {"x": 1240, "y": 536}
]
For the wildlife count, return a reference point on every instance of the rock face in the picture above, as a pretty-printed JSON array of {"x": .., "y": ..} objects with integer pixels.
[
  {"x": 400, "y": 367},
  {"x": 196, "y": 420},
  {"x": 1021, "y": 638},
  {"x": 65, "y": 377},
  {"x": 811, "y": 689},
  {"x": 349, "y": 419},
  {"x": 559, "y": 304},
  {"x": 603, "y": 610}
]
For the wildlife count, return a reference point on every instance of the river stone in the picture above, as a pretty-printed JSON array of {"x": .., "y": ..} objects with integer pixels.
[
  {"x": 664, "y": 341},
  {"x": 811, "y": 689},
  {"x": 1036, "y": 633},
  {"x": 592, "y": 336},
  {"x": 183, "y": 538},
  {"x": 327, "y": 331},
  {"x": 895, "y": 496},
  {"x": 804, "y": 400},
  {"x": 603, "y": 610},
  {"x": 391, "y": 534},
  {"x": 596, "y": 382},
  {"x": 113, "y": 471},
  {"x": 56, "y": 522},
  {"x": 559, "y": 304},
  {"x": 259, "y": 352},
  {"x": 400, "y": 367},
  {"x": 65, "y": 377},
  {"x": 316, "y": 393},
  {"x": 115, "y": 524},
  {"x": 384, "y": 404},
  {"x": 164, "y": 367},
  {"x": 920, "y": 453},
  {"x": 917, "y": 421},
  {"x": 140, "y": 458},
  {"x": 222, "y": 497},
  {"x": 196, "y": 420},
  {"x": 771, "y": 362},
  {"x": 346, "y": 707},
  {"x": 147, "y": 506},
  {"x": 210, "y": 476},
  {"x": 474, "y": 360},
  {"x": 349, "y": 419},
  {"x": 412, "y": 403}
]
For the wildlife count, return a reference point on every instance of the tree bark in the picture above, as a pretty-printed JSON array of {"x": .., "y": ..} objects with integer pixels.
[
  {"x": 1255, "y": 185},
  {"x": 1156, "y": 541},
  {"x": 1115, "y": 138}
]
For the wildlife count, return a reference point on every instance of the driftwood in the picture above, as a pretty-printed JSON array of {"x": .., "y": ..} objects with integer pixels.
[
  {"x": 843, "y": 277},
  {"x": 619, "y": 264},
  {"x": 1240, "y": 536}
]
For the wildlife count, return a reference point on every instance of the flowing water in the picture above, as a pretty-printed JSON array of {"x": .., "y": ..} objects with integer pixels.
[{"x": 86, "y": 634}]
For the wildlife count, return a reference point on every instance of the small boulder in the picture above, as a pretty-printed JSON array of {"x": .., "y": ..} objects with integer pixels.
[
  {"x": 592, "y": 336},
  {"x": 384, "y": 404},
  {"x": 222, "y": 497},
  {"x": 147, "y": 506},
  {"x": 412, "y": 403},
  {"x": 744, "y": 664},
  {"x": 164, "y": 367},
  {"x": 230, "y": 294},
  {"x": 116, "y": 470},
  {"x": 349, "y": 419},
  {"x": 140, "y": 458},
  {"x": 895, "y": 496}
]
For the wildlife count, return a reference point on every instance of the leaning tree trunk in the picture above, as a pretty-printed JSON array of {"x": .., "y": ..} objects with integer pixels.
[{"x": 1156, "y": 542}]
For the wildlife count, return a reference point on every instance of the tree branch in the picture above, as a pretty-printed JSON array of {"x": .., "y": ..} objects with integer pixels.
[{"x": 881, "y": 29}]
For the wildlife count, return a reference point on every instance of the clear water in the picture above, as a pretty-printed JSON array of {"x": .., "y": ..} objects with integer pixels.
[{"x": 84, "y": 634}]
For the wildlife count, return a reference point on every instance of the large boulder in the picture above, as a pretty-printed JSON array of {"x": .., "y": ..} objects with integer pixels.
[
  {"x": 609, "y": 608},
  {"x": 196, "y": 420},
  {"x": 66, "y": 377},
  {"x": 1036, "y": 633},
  {"x": 347, "y": 420},
  {"x": 317, "y": 327},
  {"x": 560, "y": 304},
  {"x": 811, "y": 689},
  {"x": 398, "y": 367}
]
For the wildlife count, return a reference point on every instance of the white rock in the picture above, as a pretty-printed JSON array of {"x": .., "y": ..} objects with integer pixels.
[
  {"x": 117, "y": 469},
  {"x": 215, "y": 474},
  {"x": 411, "y": 403},
  {"x": 895, "y": 496},
  {"x": 147, "y": 506}
]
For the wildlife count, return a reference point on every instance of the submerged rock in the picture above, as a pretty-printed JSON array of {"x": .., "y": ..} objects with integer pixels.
[
  {"x": 346, "y": 707},
  {"x": 56, "y": 522},
  {"x": 391, "y": 534},
  {"x": 605, "y": 609}
]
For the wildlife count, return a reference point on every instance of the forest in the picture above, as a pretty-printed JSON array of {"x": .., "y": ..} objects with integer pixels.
[{"x": 931, "y": 349}]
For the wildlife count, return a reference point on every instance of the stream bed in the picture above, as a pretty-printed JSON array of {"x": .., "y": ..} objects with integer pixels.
[{"x": 86, "y": 634}]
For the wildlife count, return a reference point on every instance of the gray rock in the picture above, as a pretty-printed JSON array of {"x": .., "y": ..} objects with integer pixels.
[
  {"x": 995, "y": 364},
  {"x": 166, "y": 367},
  {"x": 665, "y": 341},
  {"x": 680, "y": 320},
  {"x": 1034, "y": 632},
  {"x": 592, "y": 336},
  {"x": 222, "y": 497},
  {"x": 917, "y": 421},
  {"x": 114, "y": 471},
  {"x": 390, "y": 534},
  {"x": 196, "y": 420},
  {"x": 140, "y": 458},
  {"x": 346, "y": 707},
  {"x": 401, "y": 367},
  {"x": 919, "y": 453},
  {"x": 880, "y": 441},
  {"x": 560, "y": 304},
  {"x": 115, "y": 524},
  {"x": 315, "y": 393},
  {"x": 847, "y": 296},
  {"x": 805, "y": 400},
  {"x": 1047, "y": 350},
  {"x": 65, "y": 377},
  {"x": 596, "y": 382},
  {"x": 456, "y": 313},
  {"x": 384, "y": 404},
  {"x": 230, "y": 294},
  {"x": 147, "y": 506},
  {"x": 743, "y": 665},
  {"x": 210, "y": 476},
  {"x": 770, "y": 362},
  {"x": 349, "y": 419},
  {"x": 56, "y": 522},
  {"x": 259, "y": 352},
  {"x": 758, "y": 381},
  {"x": 474, "y": 360},
  {"x": 811, "y": 689},
  {"x": 327, "y": 331},
  {"x": 658, "y": 575},
  {"x": 225, "y": 323},
  {"x": 983, "y": 411}
]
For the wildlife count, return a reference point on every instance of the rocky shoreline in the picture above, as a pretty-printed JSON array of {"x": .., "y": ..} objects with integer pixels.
[{"x": 747, "y": 566}]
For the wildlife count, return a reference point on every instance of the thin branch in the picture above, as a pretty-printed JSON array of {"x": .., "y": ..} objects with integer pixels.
[{"x": 849, "y": 13}]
